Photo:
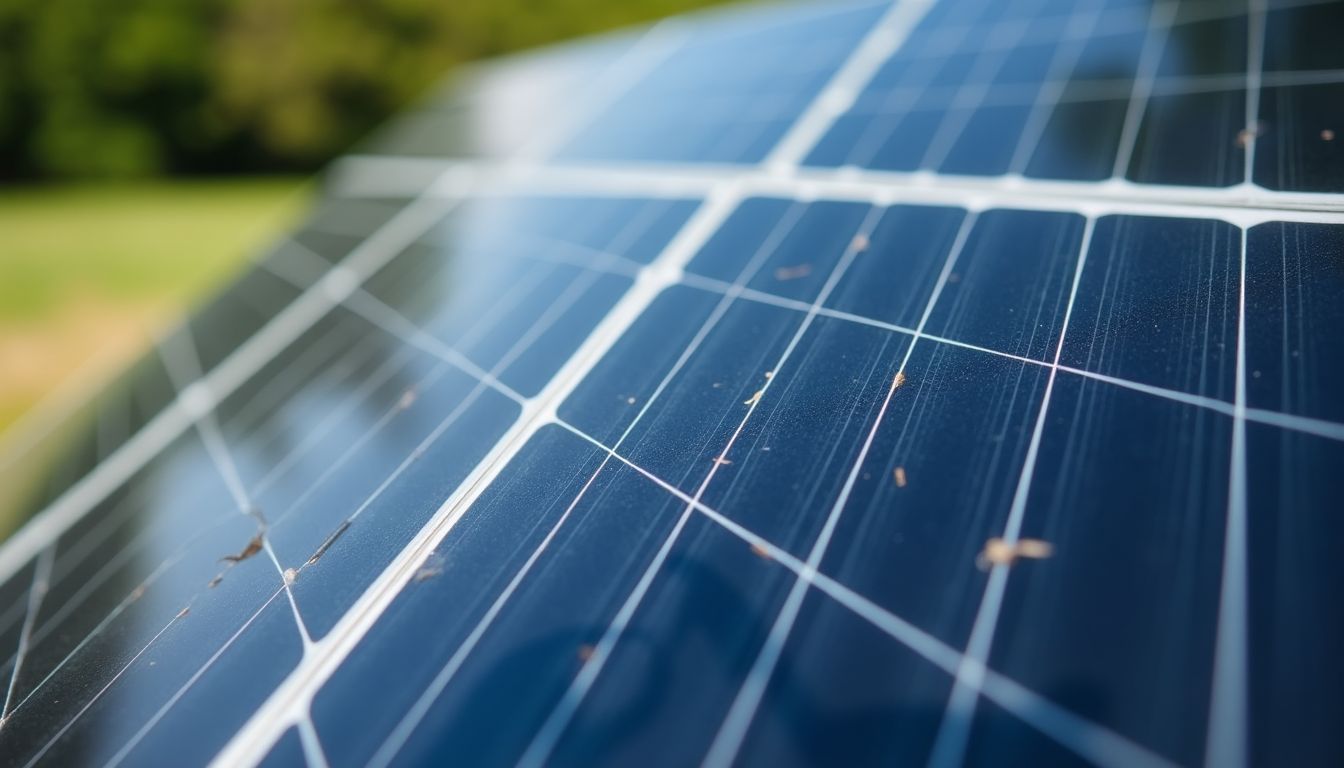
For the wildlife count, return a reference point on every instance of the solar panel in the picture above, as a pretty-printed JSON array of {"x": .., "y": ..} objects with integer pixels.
[{"x": 944, "y": 383}]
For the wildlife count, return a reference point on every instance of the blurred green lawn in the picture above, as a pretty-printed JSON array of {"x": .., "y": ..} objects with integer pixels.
[{"x": 88, "y": 273}]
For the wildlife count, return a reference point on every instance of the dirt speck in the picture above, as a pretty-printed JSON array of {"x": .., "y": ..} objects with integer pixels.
[
  {"x": 407, "y": 399},
  {"x": 899, "y": 381},
  {"x": 860, "y": 243},
  {"x": 898, "y": 474},
  {"x": 798, "y": 271},
  {"x": 1327, "y": 135},
  {"x": 182, "y": 613},
  {"x": 586, "y": 652},
  {"x": 215, "y": 581},
  {"x": 762, "y": 552}
]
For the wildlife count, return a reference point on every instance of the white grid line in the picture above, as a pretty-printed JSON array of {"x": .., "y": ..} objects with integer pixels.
[
  {"x": 544, "y": 741},
  {"x": 733, "y": 730},
  {"x": 1240, "y": 410},
  {"x": 1225, "y": 746},
  {"x": 954, "y": 730},
  {"x": 1089, "y": 740}
]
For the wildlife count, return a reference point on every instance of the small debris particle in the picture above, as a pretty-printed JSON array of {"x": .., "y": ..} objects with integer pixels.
[
  {"x": 1000, "y": 552},
  {"x": 290, "y": 576},
  {"x": 252, "y": 548},
  {"x": 899, "y": 475},
  {"x": 586, "y": 652},
  {"x": 765, "y": 448},
  {"x": 1245, "y": 135},
  {"x": 215, "y": 581},
  {"x": 1327, "y": 135},
  {"x": 899, "y": 381},
  {"x": 322, "y": 550},
  {"x": 721, "y": 461},
  {"x": 754, "y": 399},
  {"x": 784, "y": 274},
  {"x": 1034, "y": 549},
  {"x": 182, "y": 613},
  {"x": 432, "y": 567},
  {"x": 407, "y": 399},
  {"x": 759, "y": 551},
  {"x": 716, "y": 384},
  {"x": 860, "y": 243},
  {"x": 769, "y": 375},
  {"x": 630, "y": 400}
]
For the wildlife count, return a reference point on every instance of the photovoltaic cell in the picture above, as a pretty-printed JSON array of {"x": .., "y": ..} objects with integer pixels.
[{"x": 852, "y": 384}]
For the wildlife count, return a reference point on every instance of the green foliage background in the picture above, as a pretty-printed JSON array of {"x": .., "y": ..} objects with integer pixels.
[{"x": 126, "y": 88}]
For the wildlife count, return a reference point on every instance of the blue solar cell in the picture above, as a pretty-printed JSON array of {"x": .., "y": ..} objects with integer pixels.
[
  {"x": 396, "y": 513},
  {"x": 682, "y": 434},
  {"x": 668, "y": 684},
  {"x": 891, "y": 280},
  {"x": 1079, "y": 141},
  {"x": 937, "y": 484},
  {"x": 877, "y": 702},
  {"x": 1157, "y": 304},
  {"x": 1294, "y": 309},
  {"x": 791, "y": 460},
  {"x": 427, "y": 625},
  {"x": 555, "y": 617},
  {"x": 987, "y": 142},
  {"x": 1118, "y": 625},
  {"x": 1302, "y": 145},
  {"x": 1009, "y": 287},
  {"x": 1191, "y": 139},
  {"x": 798, "y": 266},
  {"x": 1293, "y": 519}
]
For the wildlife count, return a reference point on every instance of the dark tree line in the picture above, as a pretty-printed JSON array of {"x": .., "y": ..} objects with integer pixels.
[{"x": 98, "y": 88}]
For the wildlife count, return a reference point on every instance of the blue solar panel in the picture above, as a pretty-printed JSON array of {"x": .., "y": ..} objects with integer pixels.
[{"x": 917, "y": 384}]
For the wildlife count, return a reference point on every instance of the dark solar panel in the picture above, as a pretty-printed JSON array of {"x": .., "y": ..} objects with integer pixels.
[{"x": 813, "y": 384}]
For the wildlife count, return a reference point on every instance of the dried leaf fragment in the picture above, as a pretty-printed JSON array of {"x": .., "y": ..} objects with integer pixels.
[
  {"x": 1002, "y": 552},
  {"x": 252, "y": 548}
]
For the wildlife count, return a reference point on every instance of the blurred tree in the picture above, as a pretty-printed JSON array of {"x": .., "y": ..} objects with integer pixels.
[{"x": 98, "y": 88}]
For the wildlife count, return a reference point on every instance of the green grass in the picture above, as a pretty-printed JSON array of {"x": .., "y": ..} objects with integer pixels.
[
  {"x": 157, "y": 241},
  {"x": 88, "y": 271}
]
